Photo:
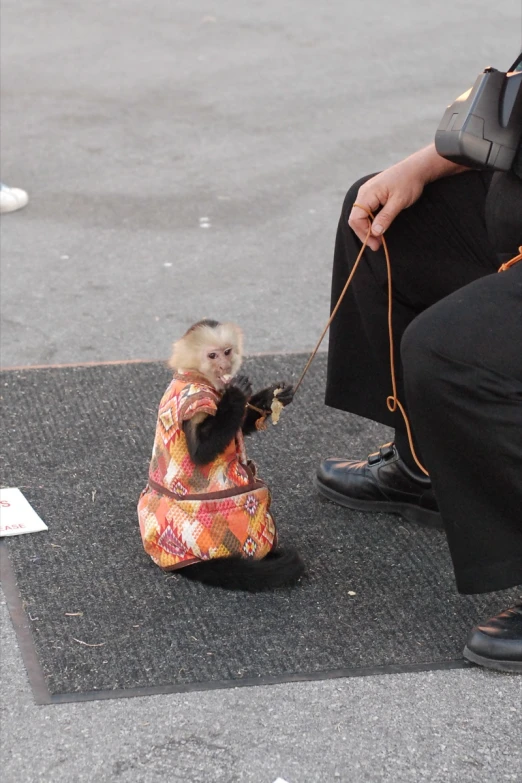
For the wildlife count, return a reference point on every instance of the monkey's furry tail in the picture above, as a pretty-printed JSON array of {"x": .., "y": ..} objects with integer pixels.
[{"x": 281, "y": 567}]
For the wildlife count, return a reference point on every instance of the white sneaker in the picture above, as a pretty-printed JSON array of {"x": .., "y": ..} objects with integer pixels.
[{"x": 12, "y": 199}]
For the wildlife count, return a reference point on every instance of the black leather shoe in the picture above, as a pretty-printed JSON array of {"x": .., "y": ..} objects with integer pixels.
[
  {"x": 497, "y": 643},
  {"x": 381, "y": 483}
]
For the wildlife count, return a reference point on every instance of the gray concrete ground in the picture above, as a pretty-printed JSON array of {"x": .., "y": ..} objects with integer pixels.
[{"x": 130, "y": 122}]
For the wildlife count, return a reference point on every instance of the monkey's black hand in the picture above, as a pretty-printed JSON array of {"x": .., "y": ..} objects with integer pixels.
[
  {"x": 242, "y": 383},
  {"x": 286, "y": 395},
  {"x": 263, "y": 399}
]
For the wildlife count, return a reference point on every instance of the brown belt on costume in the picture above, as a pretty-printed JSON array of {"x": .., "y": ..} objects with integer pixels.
[{"x": 253, "y": 484}]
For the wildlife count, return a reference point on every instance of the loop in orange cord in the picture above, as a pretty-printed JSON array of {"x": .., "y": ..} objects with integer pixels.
[{"x": 392, "y": 401}]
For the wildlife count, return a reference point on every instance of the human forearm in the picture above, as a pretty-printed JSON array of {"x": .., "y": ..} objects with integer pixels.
[{"x": 430, "y": 165}]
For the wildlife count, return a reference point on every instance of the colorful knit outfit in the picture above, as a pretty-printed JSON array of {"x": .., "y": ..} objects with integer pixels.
[{"x": 188, "y": 513}]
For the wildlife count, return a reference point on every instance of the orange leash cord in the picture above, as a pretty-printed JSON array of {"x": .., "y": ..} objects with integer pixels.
[
  {"x": 392, "y": 401},
  {"x": 513, "y": 261}
]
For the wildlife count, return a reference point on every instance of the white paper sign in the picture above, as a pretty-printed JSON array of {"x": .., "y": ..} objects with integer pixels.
[{"x": 17, "y": 516}]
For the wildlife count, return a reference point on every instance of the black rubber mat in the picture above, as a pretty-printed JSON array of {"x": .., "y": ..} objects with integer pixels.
[{"x": 96, "y": 618}]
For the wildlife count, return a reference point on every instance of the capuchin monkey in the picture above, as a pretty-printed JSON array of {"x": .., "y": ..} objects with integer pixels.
[{"x": 214, "y": 351}]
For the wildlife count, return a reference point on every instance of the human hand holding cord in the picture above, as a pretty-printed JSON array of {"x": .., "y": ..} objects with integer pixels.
[{"x": 395, "y": 189}]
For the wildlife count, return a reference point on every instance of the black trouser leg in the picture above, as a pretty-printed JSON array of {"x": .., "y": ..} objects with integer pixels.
[
  {"x": 436, "y": 246},
  {"x": 462, "y": 363}
]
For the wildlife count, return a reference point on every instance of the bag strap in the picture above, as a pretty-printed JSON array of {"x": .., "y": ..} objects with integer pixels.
[{"x": 518, "y": 61}]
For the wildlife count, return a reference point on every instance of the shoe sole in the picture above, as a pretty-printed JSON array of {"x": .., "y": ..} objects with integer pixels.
[
  {"x": 421, "y": 516},
  {"x": 13, "y": 199},
  {"x": 513, "y": 667}
]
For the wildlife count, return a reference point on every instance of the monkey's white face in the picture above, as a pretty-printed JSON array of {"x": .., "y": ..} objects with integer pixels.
[
  {"x": 219, "y": 365},
  {"x": 214, "y": 351}
]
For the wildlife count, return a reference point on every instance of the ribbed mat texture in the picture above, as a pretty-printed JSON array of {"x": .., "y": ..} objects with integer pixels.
[{"x": 77, "y": 442}]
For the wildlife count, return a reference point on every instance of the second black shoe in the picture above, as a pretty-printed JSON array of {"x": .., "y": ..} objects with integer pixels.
[
  {"x": 497, "y": 643},
  {"x": 381, "y": 483}
]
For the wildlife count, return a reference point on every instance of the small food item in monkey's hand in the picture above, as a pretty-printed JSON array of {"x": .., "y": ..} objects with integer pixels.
[
  {"x": 276, "y": 407},
  {"x": 226, "y": 378}
]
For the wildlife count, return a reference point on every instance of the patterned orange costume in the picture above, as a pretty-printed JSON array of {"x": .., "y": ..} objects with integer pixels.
[{"x": 188, "y": 513}]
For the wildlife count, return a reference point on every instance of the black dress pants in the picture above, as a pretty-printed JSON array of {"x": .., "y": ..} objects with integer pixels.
[{"x": 457, "y": 327}]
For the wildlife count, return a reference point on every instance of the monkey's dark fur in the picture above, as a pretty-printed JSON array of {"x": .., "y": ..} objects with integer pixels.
[
  {"x": 209, "y": 438},
  {"x": 279, "y": 568}
]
